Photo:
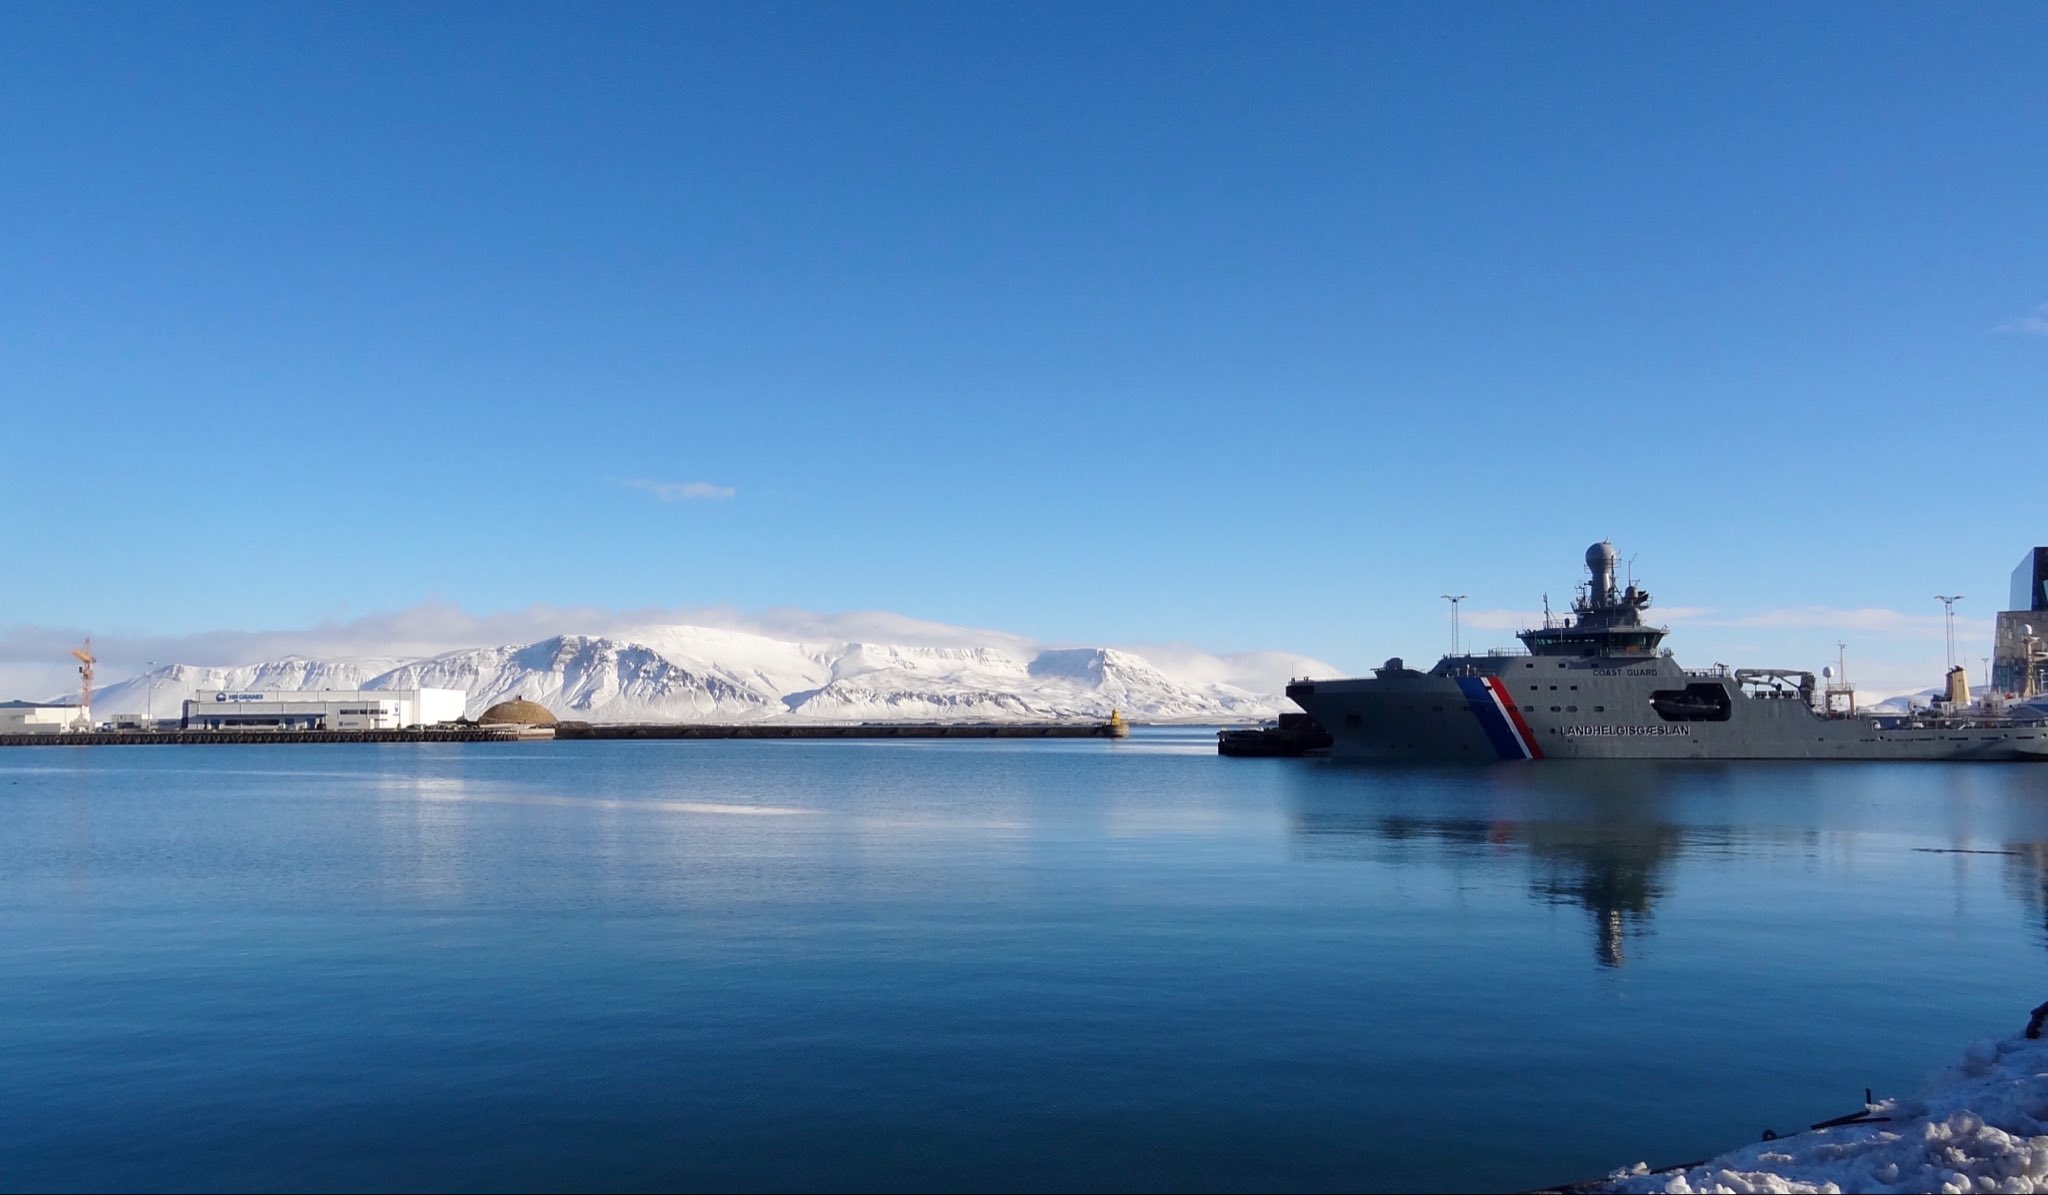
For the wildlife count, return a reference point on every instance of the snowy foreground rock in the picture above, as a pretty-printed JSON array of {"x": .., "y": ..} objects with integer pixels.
[
  {"x": 1982, "y": 1125},
  {"x": 688, "y": 674}
]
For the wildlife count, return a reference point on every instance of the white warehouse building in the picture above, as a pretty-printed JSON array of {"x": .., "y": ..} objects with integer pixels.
[
  {"x": 322, "y": 709},
  {"x": 33, "y": 717}
]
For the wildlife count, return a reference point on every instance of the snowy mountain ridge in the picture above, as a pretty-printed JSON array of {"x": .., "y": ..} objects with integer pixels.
[{"x": 691, "y": 673}]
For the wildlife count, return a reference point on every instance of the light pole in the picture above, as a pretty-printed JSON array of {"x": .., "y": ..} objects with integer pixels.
[
  {"x": 149, "y": 703},
  {"x": 1454, "y": 599},
  {"x": 1948, "y": 603}
]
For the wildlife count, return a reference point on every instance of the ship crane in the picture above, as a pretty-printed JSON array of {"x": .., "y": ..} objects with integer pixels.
[{"x": 85, "y": 662}]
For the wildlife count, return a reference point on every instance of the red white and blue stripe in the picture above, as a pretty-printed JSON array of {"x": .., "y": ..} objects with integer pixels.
[{"x": 1498, "y": 717}]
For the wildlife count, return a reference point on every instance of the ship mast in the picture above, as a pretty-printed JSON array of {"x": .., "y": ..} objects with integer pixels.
[
  {"x": 1839, "y": 689},
  {"x": 1609, "y": 619}
]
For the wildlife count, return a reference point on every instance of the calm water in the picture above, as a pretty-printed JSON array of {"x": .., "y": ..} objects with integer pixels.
[{"x": 996, "y": 965}]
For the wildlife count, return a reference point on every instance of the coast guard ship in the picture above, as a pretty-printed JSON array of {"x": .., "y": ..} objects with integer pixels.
[{"x": 1595, "y": 685}]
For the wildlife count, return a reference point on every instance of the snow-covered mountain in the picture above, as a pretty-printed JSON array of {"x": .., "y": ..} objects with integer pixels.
[{"x": 689, "y": 674}]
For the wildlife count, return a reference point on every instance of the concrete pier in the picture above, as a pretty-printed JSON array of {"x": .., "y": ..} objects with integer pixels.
[
  {"x": 863, "y": 730},
  {"x": 1113, "y": 729},
  {"x": 176, "y": 738}
]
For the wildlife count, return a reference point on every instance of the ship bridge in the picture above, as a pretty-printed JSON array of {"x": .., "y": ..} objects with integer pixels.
[{"x": 1605, "y": 620}]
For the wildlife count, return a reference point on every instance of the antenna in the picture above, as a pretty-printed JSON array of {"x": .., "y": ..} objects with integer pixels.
[{"x": 1838, "y": 692}]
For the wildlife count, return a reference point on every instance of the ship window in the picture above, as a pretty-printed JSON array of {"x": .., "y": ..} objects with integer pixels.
[
  {"x": 1575, "y": 688},
  {"x": 1528, "y": 709},
  {"x": 1705, "y": 701},
  {"x": 1555, "y": 710},
  {"x": 1571, "y": 709},
  {"x": 1439, "y": 709},
  {"x": 1599, "y": 709}
]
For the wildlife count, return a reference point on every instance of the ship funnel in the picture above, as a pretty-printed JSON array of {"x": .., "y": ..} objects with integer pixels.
[{"x": 1600, "y": 560}]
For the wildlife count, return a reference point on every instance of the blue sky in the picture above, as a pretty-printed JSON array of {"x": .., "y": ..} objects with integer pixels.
[{"x": 1234, "y": 325}]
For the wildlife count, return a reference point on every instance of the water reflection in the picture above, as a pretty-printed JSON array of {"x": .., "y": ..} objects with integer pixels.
[
  {"x": 1611, "y": 875},
  {"x": 2026, "y": 877},
  {"x": 1600, "y": 838}
]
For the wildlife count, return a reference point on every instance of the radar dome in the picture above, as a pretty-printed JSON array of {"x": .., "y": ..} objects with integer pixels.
[{"x": 1600, "y": 562}]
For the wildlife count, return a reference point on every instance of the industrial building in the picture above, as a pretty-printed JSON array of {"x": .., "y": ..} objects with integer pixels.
[
  {"x": 322, "y": 709},
  {"x": 32, "y": 717},
  {"x": 2019, "y": 649}
]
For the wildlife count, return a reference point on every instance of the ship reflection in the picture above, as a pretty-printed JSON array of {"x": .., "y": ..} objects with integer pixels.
[
  {"x": 1612, "y": 876},
  {"x": 1596, "y": 838},
  {"x": 2026, "y": 876}
]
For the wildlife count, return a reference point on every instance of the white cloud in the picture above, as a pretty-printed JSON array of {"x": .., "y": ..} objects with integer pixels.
[
  {"x": 2035, "y": 323},
  {"x": 1890, "y": 622},
  {"x": 681, "y": 491},
  {"x": 1685, "y": 614},
  {"x": 1499, "y": 620},
  {"x": 1522, "y": 620},
  {"x": 1254, "y": 671},
  {"x": 1790, "y": 618}
]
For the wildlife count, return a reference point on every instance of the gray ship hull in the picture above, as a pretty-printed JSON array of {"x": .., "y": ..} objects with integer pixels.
[{"x": 1495, "y": 707}]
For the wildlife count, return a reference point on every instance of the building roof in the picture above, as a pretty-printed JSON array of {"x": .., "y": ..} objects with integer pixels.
[{"x": 38, "y": 705}]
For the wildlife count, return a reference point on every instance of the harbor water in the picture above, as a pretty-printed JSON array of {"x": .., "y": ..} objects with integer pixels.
[{"x": 989, "y": 965}]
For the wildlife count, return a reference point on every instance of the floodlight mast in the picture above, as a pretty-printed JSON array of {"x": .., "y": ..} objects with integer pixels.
[
  {"x": 1454, "y": 599},
  {"x": 1948, "y": 604}
]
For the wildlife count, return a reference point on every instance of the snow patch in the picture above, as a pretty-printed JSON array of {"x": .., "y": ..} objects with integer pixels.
[{"x": 1980, "y": 1125}]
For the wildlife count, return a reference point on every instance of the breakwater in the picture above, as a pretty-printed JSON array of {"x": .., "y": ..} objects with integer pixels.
[
  {"x": 174, "y": 738},
  {"x": 1115, "y": 728}
]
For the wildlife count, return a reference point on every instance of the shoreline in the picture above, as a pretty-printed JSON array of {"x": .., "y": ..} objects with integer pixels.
[{"x": 1115, "y": 728}]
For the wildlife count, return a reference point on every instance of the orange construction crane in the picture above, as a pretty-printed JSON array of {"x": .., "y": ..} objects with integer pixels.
[{"x": 85, "y": 663}]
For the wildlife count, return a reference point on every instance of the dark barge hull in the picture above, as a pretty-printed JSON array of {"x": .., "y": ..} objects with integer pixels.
[{"x": 1296, "y": 734}]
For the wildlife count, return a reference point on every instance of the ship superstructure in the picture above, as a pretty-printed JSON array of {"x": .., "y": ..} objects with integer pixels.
[{"x": 1597, "y": 684}]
